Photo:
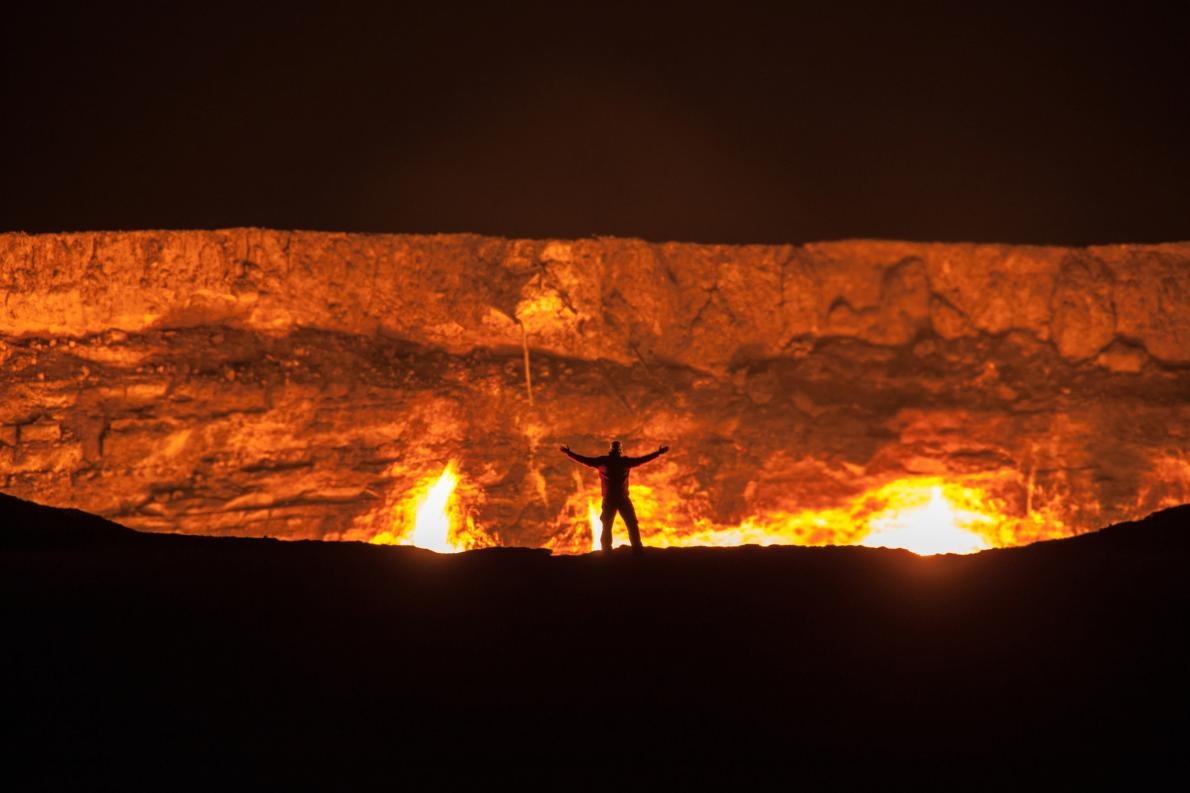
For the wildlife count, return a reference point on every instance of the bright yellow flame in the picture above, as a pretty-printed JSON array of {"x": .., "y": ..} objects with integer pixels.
[
  {"x": 596, "y": 526},
  {"x": 431, "y": 528},
  {"x": 926, "y": 515},
  {"x": 431, "y": 518},
  {"x": 933, "y": 527}
]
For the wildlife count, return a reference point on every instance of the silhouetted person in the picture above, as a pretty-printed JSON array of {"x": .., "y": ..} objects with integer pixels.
[{"x": 613, "y": 477}]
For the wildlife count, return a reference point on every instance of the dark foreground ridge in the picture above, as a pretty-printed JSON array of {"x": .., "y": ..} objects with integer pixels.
[{"x": 138, "y": 660}]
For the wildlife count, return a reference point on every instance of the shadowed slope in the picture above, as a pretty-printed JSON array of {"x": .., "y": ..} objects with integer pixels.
[
  {"x": 28, "y": 524},
  {"x": 179, "y": 660}
]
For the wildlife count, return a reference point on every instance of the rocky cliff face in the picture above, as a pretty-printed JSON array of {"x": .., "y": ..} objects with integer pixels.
[{"x": 300, "y": 384}]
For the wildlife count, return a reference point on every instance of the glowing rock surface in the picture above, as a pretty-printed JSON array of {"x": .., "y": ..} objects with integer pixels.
[{"x": 300, "y": 385}]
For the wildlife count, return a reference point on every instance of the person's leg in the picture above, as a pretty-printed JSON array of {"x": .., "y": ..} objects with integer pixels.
[
  {"x": 607, "y": 517},
  {"x": 628, "y": 513}
]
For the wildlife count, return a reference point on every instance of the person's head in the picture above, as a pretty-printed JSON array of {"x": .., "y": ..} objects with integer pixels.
[{"x": 615, "y": 452}]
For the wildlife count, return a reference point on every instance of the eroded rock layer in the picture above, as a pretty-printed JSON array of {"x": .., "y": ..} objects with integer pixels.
[{"x": 300, "y": 384}]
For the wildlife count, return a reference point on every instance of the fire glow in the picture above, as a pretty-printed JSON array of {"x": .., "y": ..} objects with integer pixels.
[
  {"x": 934, "y": 527},
  {"x": 924, "y": 515},
  {"x": 438, "y": 522},
  {"x": 314, "y": 386}
]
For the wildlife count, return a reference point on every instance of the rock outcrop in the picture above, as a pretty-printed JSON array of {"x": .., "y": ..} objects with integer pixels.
[{"x": 297, "y": 384}]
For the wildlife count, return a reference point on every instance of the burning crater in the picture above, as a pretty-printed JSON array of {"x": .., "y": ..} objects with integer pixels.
[{"x": 940, "y": 397}]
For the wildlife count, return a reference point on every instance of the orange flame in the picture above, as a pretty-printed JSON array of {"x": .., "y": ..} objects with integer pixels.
[
  {"x": 596, "y": 527},
  {"x": 438, "y": 523},
  {"x": 925, "y": 515},
  {"x": 934, "y": 527}
]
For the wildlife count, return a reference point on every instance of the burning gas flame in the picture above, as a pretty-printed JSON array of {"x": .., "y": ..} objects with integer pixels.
[
  {"x": 933, "y": 527},
  {"x": 596, "y": 526},
  {"x": 925, "y": 515},
  {"x": 431, "y": 529},
  {"x": 431, "y": 518}
]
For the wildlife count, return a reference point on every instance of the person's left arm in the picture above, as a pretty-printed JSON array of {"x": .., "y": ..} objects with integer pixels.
[{"x": 635, "y": 461}]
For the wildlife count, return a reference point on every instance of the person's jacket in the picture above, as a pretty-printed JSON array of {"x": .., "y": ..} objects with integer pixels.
[{"x": 613, "y": 470}]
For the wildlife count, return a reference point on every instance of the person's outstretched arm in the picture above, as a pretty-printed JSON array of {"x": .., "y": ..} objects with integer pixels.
[
  {"x": 635, "y": 461},
  {"x": 580, "y": 458}
]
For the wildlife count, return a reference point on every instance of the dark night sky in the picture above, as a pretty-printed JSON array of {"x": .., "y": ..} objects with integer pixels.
[{"x": 1062, "y": 126}]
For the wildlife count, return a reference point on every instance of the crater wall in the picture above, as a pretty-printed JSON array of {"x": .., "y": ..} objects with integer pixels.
[{"x": 295, "y": 384}]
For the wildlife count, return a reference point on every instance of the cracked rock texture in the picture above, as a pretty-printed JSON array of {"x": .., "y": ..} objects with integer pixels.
[{"x": 295, "y": 384}]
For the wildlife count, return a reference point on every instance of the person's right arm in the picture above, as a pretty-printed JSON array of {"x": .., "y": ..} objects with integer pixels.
[{"x": 580, "y": 458}]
